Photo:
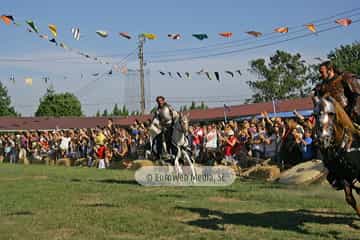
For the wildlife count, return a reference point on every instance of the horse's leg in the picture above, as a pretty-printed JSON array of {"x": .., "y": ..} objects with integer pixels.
[
  {"x": 176, "y": 161},
  {"x": 191, "y": 165},
  {"x": 349, "y": 197}
]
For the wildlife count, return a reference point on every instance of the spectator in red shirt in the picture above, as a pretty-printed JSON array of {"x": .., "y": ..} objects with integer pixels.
[
  {"x": 101, "y": 154},
  {"x": 198, "y": 137},
  {"x": 230, "y": 143}
]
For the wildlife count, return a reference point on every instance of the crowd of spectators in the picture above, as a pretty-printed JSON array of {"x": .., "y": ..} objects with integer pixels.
[{"x": 285, "y": 141}]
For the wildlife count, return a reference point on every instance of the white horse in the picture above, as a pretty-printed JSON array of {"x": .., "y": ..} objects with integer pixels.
[
  {"x": 181, "y": 143},
  {"x": 178, "y": 140}
]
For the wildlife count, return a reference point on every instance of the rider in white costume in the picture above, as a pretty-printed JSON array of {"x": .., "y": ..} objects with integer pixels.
[{"x": 166, "y": 116}]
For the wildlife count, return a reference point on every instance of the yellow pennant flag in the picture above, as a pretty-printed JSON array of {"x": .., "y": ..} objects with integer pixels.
[
  {"x": 311, "y": 27},
  {"x": 150, "y": 36},
  {"x": 53, "y": 29},
  {"x": 28, "y": 81},
  {"x": 103, "y": 34}
]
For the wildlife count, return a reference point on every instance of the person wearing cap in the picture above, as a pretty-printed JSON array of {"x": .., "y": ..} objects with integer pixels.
[{"x": 230, "y": 142}]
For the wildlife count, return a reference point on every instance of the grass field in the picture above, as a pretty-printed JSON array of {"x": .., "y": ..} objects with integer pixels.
[{"x": 40, "y": 202}]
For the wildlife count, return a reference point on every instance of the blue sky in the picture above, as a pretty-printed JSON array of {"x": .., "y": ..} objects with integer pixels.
[{"x": 161, "y": 17}]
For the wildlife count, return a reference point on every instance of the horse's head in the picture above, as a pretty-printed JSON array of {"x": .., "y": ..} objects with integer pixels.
[
  {"x": 184, "y": 121},
  {"x": 333, "y": 125},
  {"x": 325, "y": 110}
]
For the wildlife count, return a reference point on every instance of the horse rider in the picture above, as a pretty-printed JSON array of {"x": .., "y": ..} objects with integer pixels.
[
  {"x": 343, "y": 87},
  {"x": 166, "y": 115}
]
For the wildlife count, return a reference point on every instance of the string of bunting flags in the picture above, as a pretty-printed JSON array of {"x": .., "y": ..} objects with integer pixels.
[
  {"x": 213, "y": 75},
  {"x": 32, "y": 28},
  {"x": 182, "y": 75},
  {"x": 209, "y": 75},
  {"x": 46, "y": 79},
  {"x": 9, "y": 19}
]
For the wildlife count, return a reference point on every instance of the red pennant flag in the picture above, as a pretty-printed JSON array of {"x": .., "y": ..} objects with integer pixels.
[
  {"x": 7, "y": 19},
  {"x": 344, "y": 22},
  {"x": 226, "y": 34}
]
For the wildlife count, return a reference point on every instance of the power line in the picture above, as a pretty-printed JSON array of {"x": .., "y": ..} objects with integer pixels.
[
  {"x": 59, "y": 60},
  {"x": 172, "y": 101},
  {"x": 102, "y": 75}
]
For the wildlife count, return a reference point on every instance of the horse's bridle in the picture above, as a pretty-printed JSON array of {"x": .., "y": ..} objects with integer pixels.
[{"x": 181, "y": 127}]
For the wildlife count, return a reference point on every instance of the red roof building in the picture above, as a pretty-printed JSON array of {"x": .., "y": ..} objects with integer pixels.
[{"x": 211, "y": 114}]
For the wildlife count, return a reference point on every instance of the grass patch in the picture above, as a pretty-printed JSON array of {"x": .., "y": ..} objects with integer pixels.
[{"x": 42, "y": 202}]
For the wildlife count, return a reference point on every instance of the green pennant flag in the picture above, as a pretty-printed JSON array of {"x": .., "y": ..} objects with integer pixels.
[
  {"x": 32, "y": 26},
  {"x": 200, "y": 36}
]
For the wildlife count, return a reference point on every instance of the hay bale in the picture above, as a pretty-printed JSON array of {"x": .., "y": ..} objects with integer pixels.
[
  {"x": 81, "y": 162},
  {"x": 49, "y": 161},
  {"x": 141, "y": 163},
  {"x": 37, "y": 160},
  {"x": 24, "y": 160},
  {"x": 123, "y": 164},
  {"x": 63, "y": 162},
  {"x": 304, "y": 173},
  {"x": 117, "y": 165},
  {"x": 237, "y": 169},
  {"x": 268, "y": 173}
]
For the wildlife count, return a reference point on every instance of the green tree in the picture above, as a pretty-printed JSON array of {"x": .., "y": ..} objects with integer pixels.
[
  {"x": 193, "y": 105},
  {"x": 59, "y": 105},
  {"x": 347, "y": 58},
  {"x": 98, "y": 113},
  {"x": 5, "y": 103},
  {"x": 116, "y": 111},
  {"x": 105, "y": 113},
  {"x": 285, "y": 76},
  {"x": 124, "y": 111},
  {"x": 202, "y": 105},
  {"x": 135, "y": 113},
  {"x": 153, "y": 110}
]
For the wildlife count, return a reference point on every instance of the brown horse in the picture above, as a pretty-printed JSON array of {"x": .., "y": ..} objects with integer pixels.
[{"x": 340, "y": 147}]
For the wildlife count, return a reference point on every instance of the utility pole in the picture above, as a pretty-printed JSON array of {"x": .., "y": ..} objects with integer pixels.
[{"x": 142, "y": 84}]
